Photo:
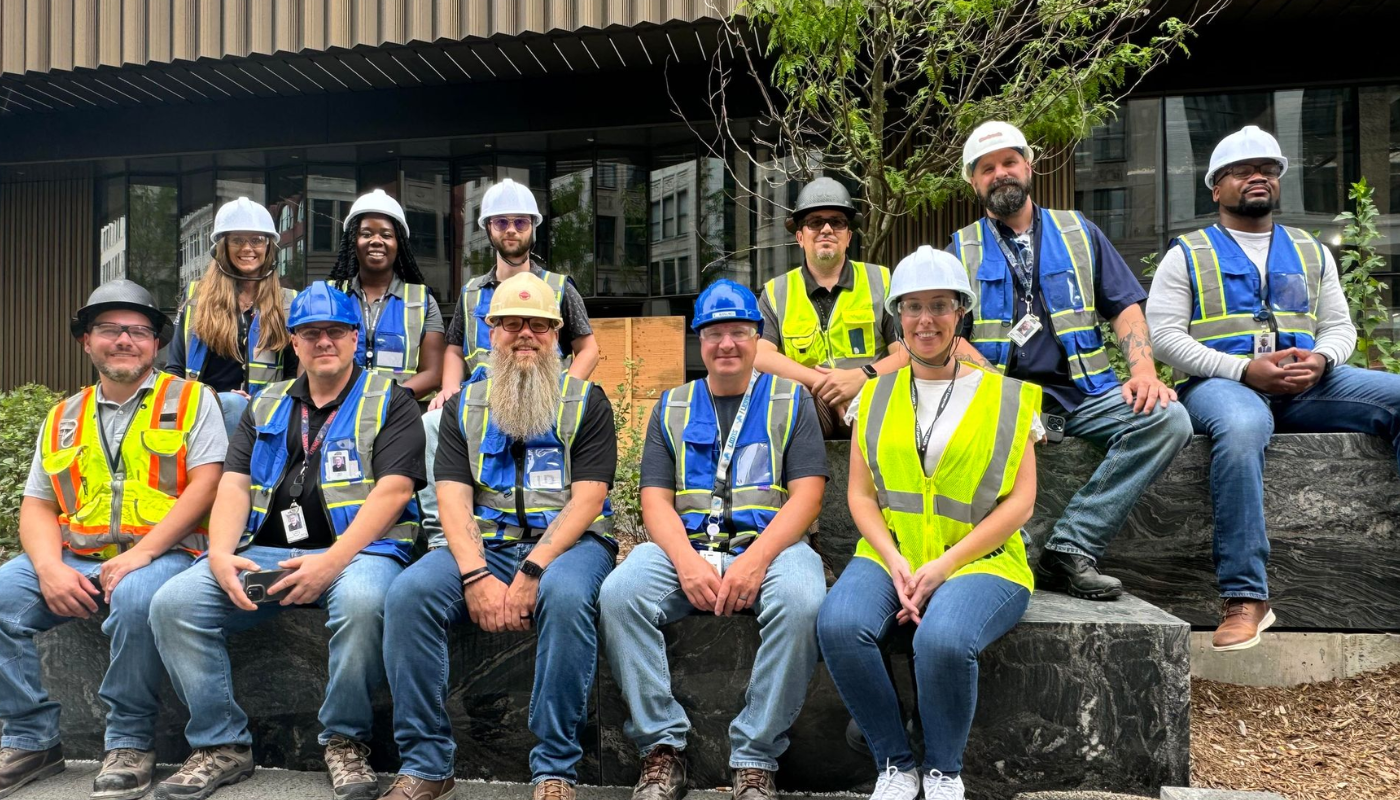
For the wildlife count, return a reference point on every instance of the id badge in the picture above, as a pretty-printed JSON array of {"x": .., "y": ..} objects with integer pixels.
[
  {"x": 342, "y": 466},
  {"x": 294, "y": 525},
  {"x": 715, "y": 559},
  {"x": 1025, "y": 329},
  {"x": 389, "y": 359},
  {"x": 1264, "y": 343}
]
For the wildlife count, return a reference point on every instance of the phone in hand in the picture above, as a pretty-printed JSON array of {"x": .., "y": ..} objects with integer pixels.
[{"x": 256, "y": 585}]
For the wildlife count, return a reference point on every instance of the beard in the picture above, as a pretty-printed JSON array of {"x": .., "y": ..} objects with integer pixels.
[
  {"x": 123, "y": 374},
  {"x": 1006, "y": 197},
  {"x": 512, "y": 251},
  {"x": 1254, "y": 208},
  {"x": 524, "y": 397}
]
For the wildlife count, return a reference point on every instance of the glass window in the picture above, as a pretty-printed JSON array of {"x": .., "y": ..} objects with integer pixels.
[
  {"x": 111, "y": 228},
  {"x": 330, "y": 190},
  {"x": 668, "y": 217},
  {"x": 571, "y": 221},
  {"x": 622, "y": 255},
  {"x": 776, "y": 195},
  {"x": 196, "y": 226},
  {"x": 288, "y": 190},
  {"x": 655, "y": 218},
  {"x": 233, "y": 184},
  {"x": 474, "y": 253},
  {"x": 427, "y": 204},
  {"x": 153, "y": 238},
  {"x": 722, "y": 225}
]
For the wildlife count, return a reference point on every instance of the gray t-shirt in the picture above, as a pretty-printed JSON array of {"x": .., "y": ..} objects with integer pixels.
[
  {"x": 206, "y": 444},
  {"x": 432, "y": 318}
]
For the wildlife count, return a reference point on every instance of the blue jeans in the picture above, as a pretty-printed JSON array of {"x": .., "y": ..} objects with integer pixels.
[
  {"x": 644, "y": 594},
  {"x": 427, "y": 599},
  {"x": 131, "y": 685},
  {"x": 1140, "y": 447},
  {"x": 192, "y": 618},
  {"x": 1240, "y": 421},
  {"x": 963, "y": 617},
  {"x": 427, "y": 496},
  {"x": 233, "y": 405}
]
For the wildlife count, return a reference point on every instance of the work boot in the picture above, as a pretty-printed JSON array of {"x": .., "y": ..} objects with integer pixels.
[
  {"x": 1075, "y": 575},
  {"x": 125, "y": 774},
  {"x": 1243, "y": 620},
  {"x": 938, "y": 786},
  {"x": 663, "y": 775},
  {"x": 751, "y": 783},
  {"x": 553, "y": 789},
  {"x": 206, "y": 770},
  {"x": 407, "y": 787},
  {"x": 347, "y": 766},
  {"x": 22, "y": 767}
]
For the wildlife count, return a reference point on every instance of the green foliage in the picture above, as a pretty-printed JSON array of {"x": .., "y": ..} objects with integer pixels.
[
  {"x": 1375, "y": 343},
  {"x": 1115, "y": 353},
  {"x": 22, "y": 413},
  {"x": 626, "y": 494}
]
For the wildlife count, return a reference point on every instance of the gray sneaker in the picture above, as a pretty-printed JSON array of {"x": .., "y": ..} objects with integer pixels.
[
  {"x": 663, "y": 775},
  {"x": 21, "y": 767},
  {"x": 206, "y": 770},
  {"x": 347, "y": 765},
  {"x": 125, "y": 774},
  {"x": 754, "y": 784}
]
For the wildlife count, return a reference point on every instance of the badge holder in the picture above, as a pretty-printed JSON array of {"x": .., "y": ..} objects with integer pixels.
[
  {"x": 1025, "y": 329},
  {"x": 712, "y": 554},
  {"x": 293, "y": 520}
]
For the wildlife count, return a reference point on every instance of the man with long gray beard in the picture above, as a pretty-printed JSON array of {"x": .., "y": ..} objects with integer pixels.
[
  {"x": 1043, "y": 280},
  {"x": 525, "y": 461}
]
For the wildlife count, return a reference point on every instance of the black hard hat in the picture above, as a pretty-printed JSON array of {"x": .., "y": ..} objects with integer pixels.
[
  {"x": 121, "y": 295},
  {"x": 822, "y": 193}
]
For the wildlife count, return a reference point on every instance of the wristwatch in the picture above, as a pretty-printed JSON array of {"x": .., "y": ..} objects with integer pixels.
[
  {"x": 530, "y": 569},
  {"x": 870, "y": 373}
]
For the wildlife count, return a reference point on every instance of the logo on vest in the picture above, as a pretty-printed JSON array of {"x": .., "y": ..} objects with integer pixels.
[{"x": 66, "y": 429}]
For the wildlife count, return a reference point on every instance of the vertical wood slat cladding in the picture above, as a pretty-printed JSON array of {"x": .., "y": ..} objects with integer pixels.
[{"x": 47, "y": 269}]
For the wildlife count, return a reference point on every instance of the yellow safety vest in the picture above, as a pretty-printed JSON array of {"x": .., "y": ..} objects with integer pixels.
[
  {"x": 105, "y": 510},
  {"x": 927, "y": 514},
  {"x": 852, "y": 337}
]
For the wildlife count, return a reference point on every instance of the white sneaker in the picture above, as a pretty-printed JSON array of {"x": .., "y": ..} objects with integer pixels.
[
  {"x": 938, "y": 786},
  {"x": 895, "y": 785}
]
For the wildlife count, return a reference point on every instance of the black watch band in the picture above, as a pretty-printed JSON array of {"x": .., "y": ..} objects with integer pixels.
[
  {"x": 870, "y": 373},
  {"x": 530, "y": 569},
  {"x": 1329, "y": 363}
]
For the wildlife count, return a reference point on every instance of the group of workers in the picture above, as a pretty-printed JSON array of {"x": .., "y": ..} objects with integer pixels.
[{"x": 280, "y": 460}]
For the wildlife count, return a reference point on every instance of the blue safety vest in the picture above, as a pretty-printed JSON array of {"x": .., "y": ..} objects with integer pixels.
[
  {"x": 475, "y": 302},
  {"x": 1066, "y": 262},
  {"x": 756, "y": 472},
  {"x": 352, "y": 435},
  {"x": 398, "y": 332},
  {"x": 262, "y": 367},
  {"x": 537, "y": 486},
  {"x": 1229, "y": 308}
]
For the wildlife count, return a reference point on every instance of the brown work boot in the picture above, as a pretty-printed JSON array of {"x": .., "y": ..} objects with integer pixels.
[
  {"x": 206, "y": 770},
  {"x": 753, "y": 784},
  {"x": 663, "y": 775},
  {"x": 554, "y": 789},
  {"x": 347, "y": 766},
  {"x": 1243, "y": 621},
  {"x": 407, "y": 787},
  {"x": 22, "y": 767},
  {"x": 125, "y": 774}
]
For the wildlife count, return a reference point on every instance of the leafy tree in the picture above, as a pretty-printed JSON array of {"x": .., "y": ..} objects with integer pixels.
[{"x": 1359, "y": 261}]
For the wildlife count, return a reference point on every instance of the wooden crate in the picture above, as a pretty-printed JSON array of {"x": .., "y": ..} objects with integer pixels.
[{"x": 657, "y": 344}]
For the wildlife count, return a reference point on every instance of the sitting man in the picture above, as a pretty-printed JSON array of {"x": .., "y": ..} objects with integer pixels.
[
  {"x": 122, "y": 479},
  {"x": 732, "y": 477},
  {"x": 1252, "y": 317},
  {"x": 524, "y": 464},
  {"x": 337, "y": 532}
]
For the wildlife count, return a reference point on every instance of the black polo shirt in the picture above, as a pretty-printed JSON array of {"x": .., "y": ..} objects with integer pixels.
[
  {"x": 824, "y": 300},
  {"x": 221, "y": 374},
  {"x": 398, "y": 450}
]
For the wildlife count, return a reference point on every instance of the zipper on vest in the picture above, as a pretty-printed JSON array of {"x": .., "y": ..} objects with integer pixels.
[{"x": 517, "y": 450}]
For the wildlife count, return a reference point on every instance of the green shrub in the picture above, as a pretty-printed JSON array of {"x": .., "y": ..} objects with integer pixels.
[
  {"x": 1359, "y": 260},
  {"x": 626, "y": 494},
  {"x": 22, "y": 412}
]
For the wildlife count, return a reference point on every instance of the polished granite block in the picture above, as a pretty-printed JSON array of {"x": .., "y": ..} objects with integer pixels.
[{"x": 1331, "y": 502}]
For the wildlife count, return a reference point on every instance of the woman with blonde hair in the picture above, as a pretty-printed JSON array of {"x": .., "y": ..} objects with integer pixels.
[{"x": 232, "y": 328}]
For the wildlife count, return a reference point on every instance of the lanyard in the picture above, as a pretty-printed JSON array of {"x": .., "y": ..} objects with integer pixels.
[
  {"x": 726, "y": 455},
  {"x": 372, "y": 320},
  {"x": 244, "y": 332},
  {"x": 309, "y": 448},
  {"x": 1265, "y": 313},
  {"x": 114, "y": 454},
  {"x": 921, "y": 440},
  {"x": 1016, "y": 259}
]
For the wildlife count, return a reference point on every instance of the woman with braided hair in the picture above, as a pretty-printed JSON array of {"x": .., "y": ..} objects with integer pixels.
[{"x": 401, "y": 331}]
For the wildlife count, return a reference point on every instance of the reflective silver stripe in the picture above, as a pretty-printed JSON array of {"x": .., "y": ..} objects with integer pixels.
[
  {"x": 1309, "y": 251},
  {"x": 989, "y": 330},
  {"x": 970, "y": 252},
  {"x": 72, "y": 412},
  {"x": 677, "y": 408},
  {"x": 168, "y": 479},
  {"x": 1086, "y": 364},
  {"x": 1228, "y": 325},
  {"x": 415, "y": 315},
  {"x": 1076, "y": 241},
  {"x": 1202, "y": 262},
  {"x": 854, "y": 363},
  {"x": 777, "y": 290},
  {"x": 989, "y": 488},
  {"x": 264, "y": 405},
  {"x": 876, "y": 285},
  {"x": 879, "y": 402},
  {"x": 471, "y": 295}
]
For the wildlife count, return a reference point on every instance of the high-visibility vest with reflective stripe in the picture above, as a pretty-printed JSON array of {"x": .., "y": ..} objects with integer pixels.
[
  {"x": 927, "y": 514},
  {"x": 756, "y": 472},
  {"x": 475, "y": 304},
  {"x": 1066, "y": 267},
  {"x": 541, "y": 486},
  {"x": 353, "y": 432},
  {"x": 852, "y": 337},
  {"x": 1227, "y": 308},
  {"x": 105, "y": 510},
  {"x": 262, "y": 367},
  {"x": 398, "y": 332}
]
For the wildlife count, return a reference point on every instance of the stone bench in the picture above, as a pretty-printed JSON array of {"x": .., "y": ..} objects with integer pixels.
[
  {"x": 1332, "y": 502},
  {"x": 1079, "y": 695}
]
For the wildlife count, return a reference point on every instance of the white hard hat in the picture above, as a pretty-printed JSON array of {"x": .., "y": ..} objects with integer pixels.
[
  {"x": 926, "y": 270},
  {"x": 989, "y": 137},
  {"x": 508, "y": 197},
  {"x": 377, "y": 202},
  {"x": 242, "y": 215},
  {"x": 1247, "y": 143}
]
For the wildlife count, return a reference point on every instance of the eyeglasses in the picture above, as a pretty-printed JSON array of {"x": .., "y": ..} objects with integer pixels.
[
  {"x": 240, "y": 242},
  {"x": 111, "y": 331},
  {"x": 913, "y": 309},
  {"x": 815, "y": 224},
  {"x": 503, "y": 224},
  {"x": 739, "y": 335},
  {"x": 516, "y": 324},
  {"x": 1271, "y": 169},
  {"x": 313, "y": 335}
]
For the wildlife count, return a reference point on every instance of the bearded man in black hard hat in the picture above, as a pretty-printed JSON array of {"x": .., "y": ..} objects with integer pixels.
[
  {"x": 138, "y": 439},
  {"x": 825, "y": 324}
]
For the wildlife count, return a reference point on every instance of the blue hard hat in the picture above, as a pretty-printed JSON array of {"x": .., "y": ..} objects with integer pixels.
[
  {"x": 321, "y": 302},
  {"x": 726, "y": 301}
]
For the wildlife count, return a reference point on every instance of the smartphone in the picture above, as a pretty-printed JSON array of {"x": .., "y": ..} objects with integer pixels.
[
  {"x": 1054, "y": 428},
  {"x": 256, "y": 584}
]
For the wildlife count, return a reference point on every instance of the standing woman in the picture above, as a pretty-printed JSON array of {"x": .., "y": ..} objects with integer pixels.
[
  {"x": 942, "y": 479},
  {"x": 232, "y": 328},
  {"x": 403, "y": 335}
]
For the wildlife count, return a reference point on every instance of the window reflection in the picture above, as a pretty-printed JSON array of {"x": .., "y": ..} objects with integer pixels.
[
  {"x": 571, "y": 221},
  {"x": 152, "y": 236},
  {"x": 196, "y": 226},
  {"x": 427, "y": 204},
  {"x": 1116, "y": 176},
  {"x": 776, "y": 196},
  {"x": 621, "y": 220},
  {"x": 111, "y": 233},
  {"x": 288, "y": 209},
  {"x": 330, "y": 191}
]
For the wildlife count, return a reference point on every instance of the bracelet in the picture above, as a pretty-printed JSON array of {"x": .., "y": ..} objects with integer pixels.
[
  {"x": 474, "y": 579},
  {"x": 475, "y": 575}
]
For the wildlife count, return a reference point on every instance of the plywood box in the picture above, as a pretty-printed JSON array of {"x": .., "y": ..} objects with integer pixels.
[{"x": 656, "y": 345}]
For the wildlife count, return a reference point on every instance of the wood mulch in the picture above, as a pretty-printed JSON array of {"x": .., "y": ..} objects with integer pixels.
[{"x": 1338, "y": 740}]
